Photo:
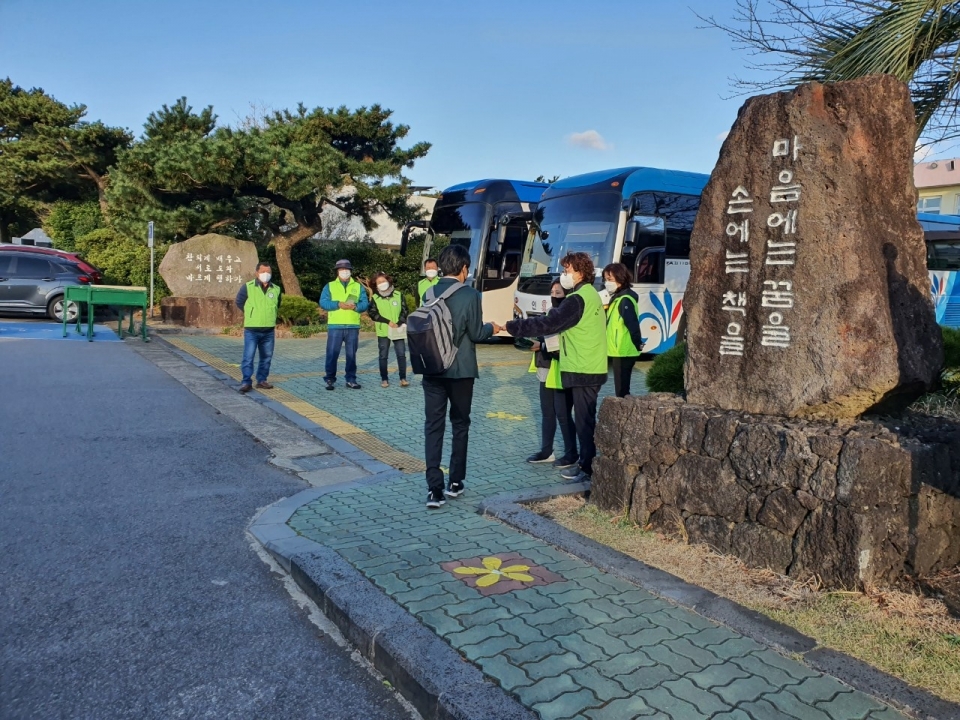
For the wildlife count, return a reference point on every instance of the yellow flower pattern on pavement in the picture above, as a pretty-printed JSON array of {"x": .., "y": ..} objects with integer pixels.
[{"x": 492, "y": 572}]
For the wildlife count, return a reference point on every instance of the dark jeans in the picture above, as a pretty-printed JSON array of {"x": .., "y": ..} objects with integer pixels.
[
  {"x": 335, "y": 338},
  {"x": 254, "y": 340},
  {"x": 437, "y": 393},
  {"x": 400, "y": 349},
  {"x": 556, "y": 408},
  {"x": 622, "y": 372},
  {"x": 585, "y": 420}
]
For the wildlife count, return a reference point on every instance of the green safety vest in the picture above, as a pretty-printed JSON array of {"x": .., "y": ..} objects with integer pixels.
[
  {"x": 553, "y": 374},
  {"x": 260, "y": 310},
  {"x": 389, "y": 309},
  {"x": 423, "y": 285},
  {"x": 339, "y": 293},
  {"x": 583, "y": 347},
  {"x": 619, "y": 342}
]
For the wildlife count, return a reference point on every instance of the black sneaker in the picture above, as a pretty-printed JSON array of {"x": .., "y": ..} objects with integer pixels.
[
  {"x": 455, "y": 490},
  {"x": 571, "y": 472},
  {"x": 435, "y": 499},
  {"x": 540, "y": 457},
  {"x": 564, "y": 462},
  {"x": 353, "y": 386},
  {"x": 330, "y": 384},
  {"x": 581, "y": 477}
]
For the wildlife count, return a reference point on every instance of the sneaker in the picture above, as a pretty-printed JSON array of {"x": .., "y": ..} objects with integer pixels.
[
  {"x": 564, "y": 462},
  {"x": 384, "y": 383},
  {"x": 580, "y": 477},
  {"x": 246, "y": 387},
  {"x": 330, "y": 385},
  {"x": 540, "y": 457},
  {"x": 455, "y": 490},
  {"x": 571, "y": 472},
  {"x": 435, "y": 499},
  {"x": 404, "y": 382},
  {"x": 264, "y": 385},
  {"x": 353, "y": 386}
]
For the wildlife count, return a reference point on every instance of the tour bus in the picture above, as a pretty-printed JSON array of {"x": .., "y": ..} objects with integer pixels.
[
  {"x": 491, "y": 219},
  {"x": 942, "y": 235},
  {"x": 641, "y": 217}
]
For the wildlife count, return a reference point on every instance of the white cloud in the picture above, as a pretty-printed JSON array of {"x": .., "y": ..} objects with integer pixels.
[
  {"x": 723, "y": 136},
  {"x": 590, "y": 139},
  {"x": 922, "y": 153}
]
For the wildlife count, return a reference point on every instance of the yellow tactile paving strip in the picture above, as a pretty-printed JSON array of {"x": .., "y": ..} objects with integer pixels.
[{"x": 357, "y": 437}]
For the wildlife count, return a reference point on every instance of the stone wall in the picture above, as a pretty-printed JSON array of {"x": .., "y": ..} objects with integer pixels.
[
  {"x": 856, "y": 503},
  {"x": 200, "y": 312}
]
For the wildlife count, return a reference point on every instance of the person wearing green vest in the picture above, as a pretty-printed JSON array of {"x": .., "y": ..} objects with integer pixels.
[
  {"x": 582, "y": 327},
  {"x": 555, "y": 406},
  {"x": 389, "y": 313},
  {"x": 624, "y": 343},
  {"x": 343, "y": 299},
  {"x": 259, "y": 300},
  {"x": 432, "y": 272}
]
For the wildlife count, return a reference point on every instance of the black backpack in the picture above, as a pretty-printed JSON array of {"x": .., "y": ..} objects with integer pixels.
[{"x": 430, "y": 334}]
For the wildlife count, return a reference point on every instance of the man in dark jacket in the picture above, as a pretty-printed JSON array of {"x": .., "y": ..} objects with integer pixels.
[{"x": 455, "y": 385}]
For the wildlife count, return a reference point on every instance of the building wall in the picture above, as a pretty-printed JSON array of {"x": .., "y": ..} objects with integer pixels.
[{"x": 938, "y": 186}]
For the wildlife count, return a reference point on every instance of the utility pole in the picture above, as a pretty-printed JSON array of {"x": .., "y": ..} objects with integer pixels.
[{"x": 150, "y": 245}]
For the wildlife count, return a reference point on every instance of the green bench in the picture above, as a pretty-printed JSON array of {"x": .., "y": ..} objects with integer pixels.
[{"x": 115, "y": 295}]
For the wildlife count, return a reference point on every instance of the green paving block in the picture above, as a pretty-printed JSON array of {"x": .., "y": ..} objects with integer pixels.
[
  {"x": 423, "y": 581},
  {"x": 626, "y": 626},
  {"x": 391, "y": 584},
  {"x": 533, "y": 652},
  {"x": 522, "y": 630},
  {"x": 420, "y": 593},
  {"x": 603, "y": 687},
  {"x": 849, "y": 705},
  {"x": 465, "y": 607},
  {"x": 704, "y": 700},
  {"x": 546, "y": 689},
  {"x": 567, "y": 592},
  {"x": 485, "y": 616},
  {"x": 550, "y": 615},
  {"x": 588, "y": 612},
  {"x": 744, "y": 690},
  {"x": 773, "y": 665},
  {"x": 603, "y": 584},
  {"x": 617, "y": 611},
  {"x": 887, "y": 713},
  {"x": 623, "y": 664},
  {"x": 563, "y": 626},
  {"x": 553, "y": 665},
  {"x": 817, "y": 689},
  {"x": 646, "y": 678},
  {"x": 622, "y": 709},
  {"x": 509, "y": 675},
  {"x": 712, "y": 636},
  {"x": 588, "y": 652},
  {"x": 697, "y": 655},
  {"x": 515, "y": 604},
  {"x": 664, "y": 654},
  {"x": 567, "y": 705},
  {"x": 475, "y": 635},
  {"x": 636, "y": 597},
  {"x": 538, "y": 603},
  {"x": 643, "y": 639},
  {"x": 717, "y": 676},
  {"x": 736, "y": 646},
  {"x": 661, "y": 699},
  {"x": 489, "y": 647},
  {"x": 610, "y": 643},
  {"x": 431, "y": 603},
  {"x": 762, "y": 708},
  {"x": 438, "y": 621}
]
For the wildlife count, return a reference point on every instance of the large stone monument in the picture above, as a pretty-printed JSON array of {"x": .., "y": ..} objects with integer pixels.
[
  {"x": 204, "y": 274},
  {"x": 808, "y": 305}
]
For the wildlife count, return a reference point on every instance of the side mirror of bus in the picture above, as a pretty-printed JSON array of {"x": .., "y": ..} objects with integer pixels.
[{"x": 631, "y": 232}]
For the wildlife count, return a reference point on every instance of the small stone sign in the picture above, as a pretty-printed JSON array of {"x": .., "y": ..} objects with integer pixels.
[
  {"x": 808, "y": 292},
  {"x": 209, "y": 266}
]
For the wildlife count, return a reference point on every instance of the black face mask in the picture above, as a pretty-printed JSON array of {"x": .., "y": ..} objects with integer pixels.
[{"x": 555, "y": 301}]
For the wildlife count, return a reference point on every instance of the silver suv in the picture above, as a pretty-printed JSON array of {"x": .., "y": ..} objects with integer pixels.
[{"x": 31, "y": 283}]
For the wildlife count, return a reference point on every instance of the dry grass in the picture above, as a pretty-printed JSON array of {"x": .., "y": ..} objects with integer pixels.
[{"x": 907, "y": 635}]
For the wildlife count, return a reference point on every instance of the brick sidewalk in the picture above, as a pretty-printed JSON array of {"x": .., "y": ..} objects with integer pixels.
[{"x": 567, "y": 640}]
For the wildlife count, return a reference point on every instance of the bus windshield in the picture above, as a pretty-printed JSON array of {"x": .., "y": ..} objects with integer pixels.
[
  {"x": 579, "y": 223},
  {"x": 464, "y": 225}
]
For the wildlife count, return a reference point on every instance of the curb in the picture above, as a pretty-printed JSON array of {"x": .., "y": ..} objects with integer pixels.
[{"x": 508, "y": 509}]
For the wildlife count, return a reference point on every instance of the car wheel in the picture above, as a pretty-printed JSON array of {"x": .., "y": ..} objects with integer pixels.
[{"x": 55, "y": 309}]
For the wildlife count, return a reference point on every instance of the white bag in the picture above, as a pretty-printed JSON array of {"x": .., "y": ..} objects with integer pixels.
[{"x": 397, "y": 333}]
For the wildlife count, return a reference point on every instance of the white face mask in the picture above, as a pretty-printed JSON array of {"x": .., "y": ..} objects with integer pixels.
[
  {"x": 566, "y": 282},
  {"x": 431, "y": 274},
  {"x": 611, "y": 286},
  {"x": 264, "y": 277},
  {"x": 344, "y": 274},
  {"x": 383, "y": 287}
]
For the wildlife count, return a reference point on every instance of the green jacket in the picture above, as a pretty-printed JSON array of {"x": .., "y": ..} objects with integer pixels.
[
  {"x": 466, "y": 314},
  {"x": 583, "y": 348},
  {"x": 422, "y": 287},
  {"x": 259, "y": 306}
]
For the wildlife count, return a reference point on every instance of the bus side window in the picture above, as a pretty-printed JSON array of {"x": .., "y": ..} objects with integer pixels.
[{"x": 650, "y": 267}]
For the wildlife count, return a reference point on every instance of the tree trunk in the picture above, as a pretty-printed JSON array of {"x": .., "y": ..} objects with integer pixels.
[{"x": 284, "y": 244}]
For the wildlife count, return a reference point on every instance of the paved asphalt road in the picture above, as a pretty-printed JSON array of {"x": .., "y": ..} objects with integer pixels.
[{"x": 128, "y": 587}]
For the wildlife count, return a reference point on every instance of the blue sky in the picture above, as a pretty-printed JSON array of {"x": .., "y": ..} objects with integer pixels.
[{"x": 501, "y": 89}]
